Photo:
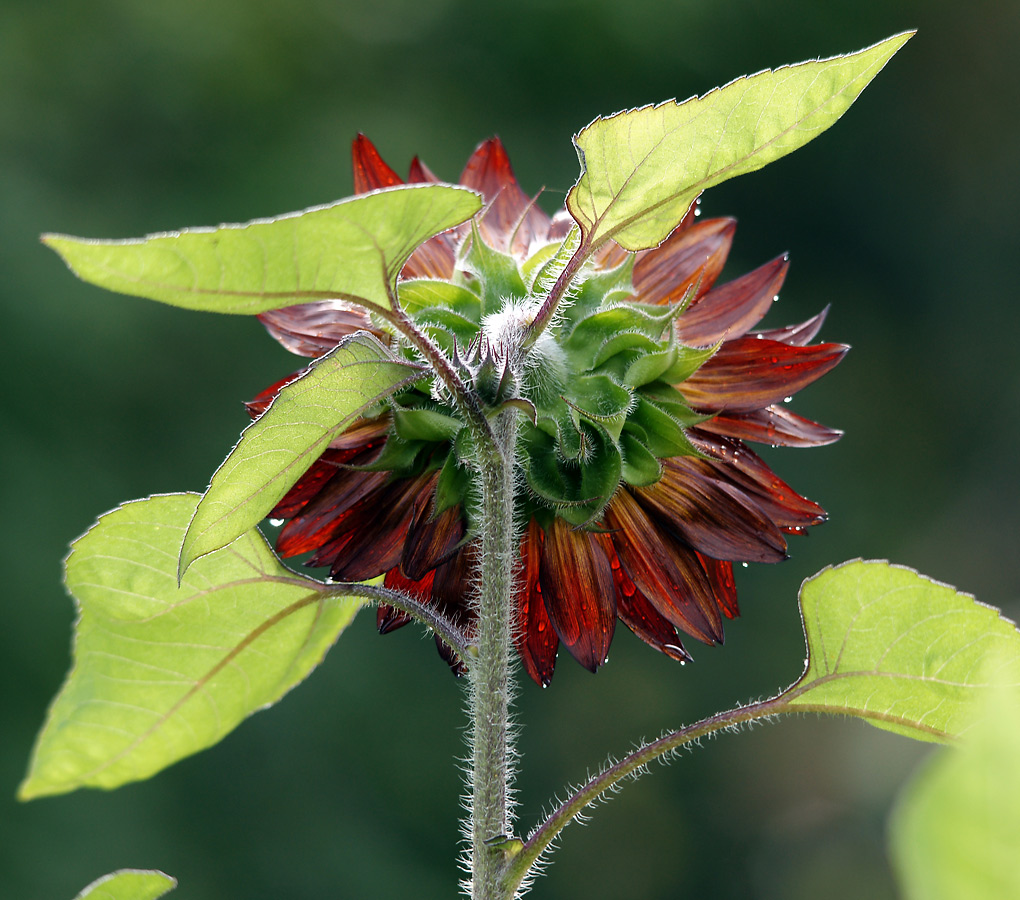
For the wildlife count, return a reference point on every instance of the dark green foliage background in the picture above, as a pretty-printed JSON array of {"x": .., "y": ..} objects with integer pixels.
[{"x": 120, "y": 117}]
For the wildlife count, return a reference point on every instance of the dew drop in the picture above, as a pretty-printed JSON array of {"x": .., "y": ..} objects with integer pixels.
[
  {"x": 276, "y": 523},
  {"x": 683, "y": 662},
  {"x": 775, "y": 298},
  {"x": 787, "y": 399},
  {"x": 541, "y": 627},
  {"x": 805, "y": 661},
  {"x": 775, "y": 359},
  {"x": 744, "y": 565}
]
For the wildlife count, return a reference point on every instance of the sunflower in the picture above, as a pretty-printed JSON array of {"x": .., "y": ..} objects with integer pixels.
[{"x": 640, "y": 491}]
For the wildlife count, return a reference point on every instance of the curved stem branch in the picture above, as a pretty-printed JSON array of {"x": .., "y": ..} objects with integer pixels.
[
  {"x": 629, "y": 766},
  {"x": 429, "y": 616},
  {"x": 548, "y": 308}
]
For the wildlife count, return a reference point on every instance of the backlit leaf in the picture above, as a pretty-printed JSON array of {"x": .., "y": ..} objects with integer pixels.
[
  {"x": 642, "y": 169},
  {"x": 901, "y": 651},
  {"x": 280, "y": 446},
  {"x": 129, "y": 884},
  {"x": 349, "y": 250},
  {"x": 955, "y": 834},
  {"x": 161, "y": 672}
]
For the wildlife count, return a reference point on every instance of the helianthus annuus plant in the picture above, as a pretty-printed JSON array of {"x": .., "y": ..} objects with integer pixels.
[{"x": 517, "y": 428}]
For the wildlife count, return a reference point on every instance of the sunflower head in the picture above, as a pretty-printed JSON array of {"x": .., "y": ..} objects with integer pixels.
[{"x": 638, "y": 488}]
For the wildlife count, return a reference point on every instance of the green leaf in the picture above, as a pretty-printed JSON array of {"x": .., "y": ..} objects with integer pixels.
[
  {"x": 279, "y": 446},
  {"x": 129, "y": 884},
  {"x": 161, "y": 672},
  {"x": 642, "y": 169},
  {"x": 349, "y": 250},
  {"x": 899, "y": 650},
  {"x": 955, "y": 834}
]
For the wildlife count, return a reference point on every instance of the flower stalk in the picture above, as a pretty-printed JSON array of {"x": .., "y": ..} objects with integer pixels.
[{"x": 489, "y": 674}]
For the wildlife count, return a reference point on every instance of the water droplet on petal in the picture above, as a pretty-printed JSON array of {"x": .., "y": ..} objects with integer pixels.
[
  {"x": 787, "y": 399},
  {"x": 775, "y": 298},
  {"x": 744, "y": 565},
  {"x": 276, "y": 523}
]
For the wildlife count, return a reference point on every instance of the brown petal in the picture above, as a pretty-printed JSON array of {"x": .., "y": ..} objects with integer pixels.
[
  {"x": 389, "y": 618},
  {"x": 751, "y": 373},
  {"x": 664, "y": 274},
  {"x": 801, "y": 335},
  {"x": 730, "y": 310},
  {"x": 370, "y": 172},
  {"x": 260, "y": 402},
  {"x": 579, "y": 594},
  {"x": 512, "y": 220},
  {"x": 324, "y": 518},
  {"x": 431, "y": 540},
  {"x": 312, "y": 329},
  {"x": 534, "y": 635},
  {"x": 741, "y": 465},
  {"x": 451, "y": 593},
  {"x": 372, "y": 539},
  {"x": 714, "y": 517},
  {"x": 436, "y": 258},
  {"x": 724, "y": 586},
  {"x": 309, "y": 484},
  {"x": 421, "y": 173},
  {"x": 775, "y": 425},
  {"x": 665, "y": 572}
]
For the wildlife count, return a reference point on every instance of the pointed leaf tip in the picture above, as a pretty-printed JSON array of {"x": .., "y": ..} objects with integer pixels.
[
  {"x": 350, "y": 250},
  {"x": 279, "y": 447},
  {"x": 900, "y": 650},
  {"x": 642, "y": 169}
]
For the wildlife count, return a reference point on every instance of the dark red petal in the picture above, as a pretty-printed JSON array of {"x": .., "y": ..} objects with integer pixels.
[
  {"x": 312, "y": 329},
  {"x": 664, "y": 274},
  {"x": 579, "y": 594},
  {"x": 451, "y": 593},
  {"x": 309, "y": 484},
  {"x": 421, "y": 173},
  {"x": 751, "y": 373},
  {"x": 801, "y": 335},
  {"x": 389, "y": 618},
  {"x": 732, "y": 309},
  {"x": 372, "y": 538},
  {"x": 667, "y": 573},
  {"x": 534, "y": 635},
  {"x": 720, "y": 576},
  {"x": 714, "y": 517},
  {"x": 325, "y": 516},
  {"x": 512, "y": 220},
  {"x": 430, "y": 540},
  {"x": 370, "y": 172},
  {"x": 775, "y": 425},
  {"x": 741, "y": 465}
]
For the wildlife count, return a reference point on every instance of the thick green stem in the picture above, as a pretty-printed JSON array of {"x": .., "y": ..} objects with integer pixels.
[{"x": 489, "y": 673}]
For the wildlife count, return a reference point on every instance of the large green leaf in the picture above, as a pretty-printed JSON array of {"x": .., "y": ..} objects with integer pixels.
[
  {"x": 955, "y": 834},
  {"x": 161, "y": 672},
  {"x": 279, "y": 446},
  {"x": 642, "y": 169},
  {"x": 129, "y": 884},
  {"x": 901, "y": 651},
  {"x": 350, "y": 250}
]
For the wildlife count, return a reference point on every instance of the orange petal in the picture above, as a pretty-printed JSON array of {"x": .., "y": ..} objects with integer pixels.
[
  {"x": 579, "y": 594},
  {"x": 534, "y": 635},
  {"x": 714, "y": 517},
  {"x": 732, "y": 309},
  {"x": 665, "y": 572},
  {"x": 370, "y": 172},
  {"x": 664, "y": 274},
  {"x": 750, "y": 373}
]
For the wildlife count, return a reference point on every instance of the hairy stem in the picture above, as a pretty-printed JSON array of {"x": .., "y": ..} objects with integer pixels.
[
  {"x": 489, "y": 674},
  {"x": 428, "y": 615},
  {"x": 548, "y": 308},
  {"x": 629, "y": 766}
]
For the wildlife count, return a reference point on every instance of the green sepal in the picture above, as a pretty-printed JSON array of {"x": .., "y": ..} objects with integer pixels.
[
  {"x": 664, "y": 436},
  {"x": 640, "y": 467},
  {"x": 640, "y": 345},
  {"x": 453, "y": 484},
  {"x": 590, "y": 341},
  {"x": 600, "y": 399},
  {"x": 446, "y": 325},
  {"x": 425, "y": 425},
  {"x": 544, "y": 266},
  {"x": 672, "y": 402},
  {"x": 599, "y": 289},
  {"x": 420, "y": 294},
  {"x": 650, "y": 367},
  {"x": 405, "y": 457},
  {"x": 498, "y": 273},
  {"x": 688, "y": 361}
]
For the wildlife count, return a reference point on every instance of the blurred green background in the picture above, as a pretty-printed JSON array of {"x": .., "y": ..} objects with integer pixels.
[{"x": 121, "y": 117}]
